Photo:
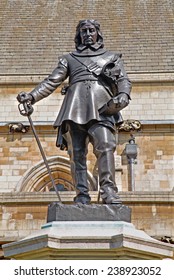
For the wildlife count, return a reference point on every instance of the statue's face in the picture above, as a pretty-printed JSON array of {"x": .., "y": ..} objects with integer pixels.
[{"x": 88, "y": 34}]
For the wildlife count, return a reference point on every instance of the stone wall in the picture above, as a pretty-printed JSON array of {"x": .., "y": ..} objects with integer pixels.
[
  {"x": 151, "y": 104},
  {"x": 153, "y": 168},
  {"x": 23, "y": 213},
  {"x": 152, "y": 97}
]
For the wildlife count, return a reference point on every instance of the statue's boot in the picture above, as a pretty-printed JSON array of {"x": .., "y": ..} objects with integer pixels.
[
  {"x": 106, "y": 170},
  {"x": 81, "y": 187},
  {"x": 104, "y": 144},
  {"x": 79, "y": 175},
  {"x": 77, "y": 148}
]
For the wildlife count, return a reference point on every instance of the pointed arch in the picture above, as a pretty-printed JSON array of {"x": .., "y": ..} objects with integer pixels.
[{"x": 36, "y": 179}]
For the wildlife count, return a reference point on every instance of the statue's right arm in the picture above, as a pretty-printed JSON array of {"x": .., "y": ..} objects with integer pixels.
[{"x": 48, "y": 85}]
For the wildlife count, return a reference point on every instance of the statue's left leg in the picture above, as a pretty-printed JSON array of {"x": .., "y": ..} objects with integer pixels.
[{"x": 104, "y": 144}]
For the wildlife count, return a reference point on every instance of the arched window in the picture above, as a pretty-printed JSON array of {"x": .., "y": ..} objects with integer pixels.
[{"x": 37, "y": 179}]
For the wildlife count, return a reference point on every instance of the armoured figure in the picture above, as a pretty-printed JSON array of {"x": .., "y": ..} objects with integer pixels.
[{"x": 98, "y": 89}]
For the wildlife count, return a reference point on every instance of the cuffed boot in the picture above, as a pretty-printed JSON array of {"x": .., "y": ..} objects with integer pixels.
[
  {"x": 81, "y": 187},
  {"x": 76, "y": 138},
  {"x": 104, "y": 144},
  {"x": 106, "y": 170}
]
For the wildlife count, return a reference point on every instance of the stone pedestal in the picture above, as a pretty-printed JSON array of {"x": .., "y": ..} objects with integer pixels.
[
  {"x": 93, "y": 212},
  {"x": 88, "y": 239}
]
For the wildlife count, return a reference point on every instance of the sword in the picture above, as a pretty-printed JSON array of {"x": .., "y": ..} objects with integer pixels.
[{"x": 27, "y": 110}]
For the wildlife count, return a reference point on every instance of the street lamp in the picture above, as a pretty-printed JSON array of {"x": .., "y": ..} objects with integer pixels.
[
  {"x": 131, "y": 153},
  {"x": 131, "y": 148}
]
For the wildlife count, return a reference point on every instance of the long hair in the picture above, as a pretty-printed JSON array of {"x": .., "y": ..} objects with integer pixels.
[{"x": 77, "y": 38}]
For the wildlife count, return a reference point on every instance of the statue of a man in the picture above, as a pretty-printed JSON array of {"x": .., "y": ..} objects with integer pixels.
[{"x": 98, "y": 89}]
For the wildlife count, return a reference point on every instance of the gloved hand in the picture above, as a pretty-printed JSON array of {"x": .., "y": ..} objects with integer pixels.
[
  {"x": 115, "y": 104},
  {"x": 23, "y": 97},
  {"x": 121, "y": 100}
]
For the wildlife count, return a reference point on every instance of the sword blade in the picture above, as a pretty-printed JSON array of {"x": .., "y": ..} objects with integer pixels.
[{"x": 41, "y": 150}]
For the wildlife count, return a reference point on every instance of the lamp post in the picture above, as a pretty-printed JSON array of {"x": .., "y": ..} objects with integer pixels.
[
  {"x": 131, "y": 153},
  {"x": 131, "y": 148}
]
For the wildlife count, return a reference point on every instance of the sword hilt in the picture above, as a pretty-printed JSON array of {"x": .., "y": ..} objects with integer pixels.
[{"x": 25, "y": 108}]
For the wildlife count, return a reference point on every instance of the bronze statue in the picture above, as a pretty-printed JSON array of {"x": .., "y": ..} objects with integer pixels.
[{"x": 98, "y": 89}]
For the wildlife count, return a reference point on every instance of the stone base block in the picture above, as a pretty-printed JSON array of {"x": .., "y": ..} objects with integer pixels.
[{"x": 92, "y": 212}]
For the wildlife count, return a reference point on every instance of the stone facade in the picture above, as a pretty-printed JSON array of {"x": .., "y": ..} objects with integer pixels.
[{"x": 151, "y": 104}]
